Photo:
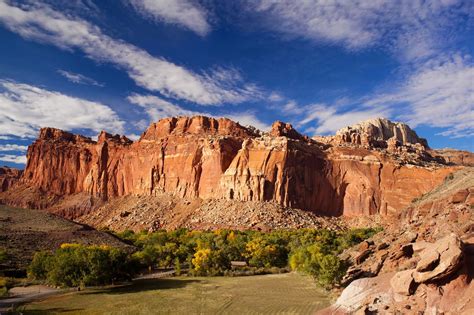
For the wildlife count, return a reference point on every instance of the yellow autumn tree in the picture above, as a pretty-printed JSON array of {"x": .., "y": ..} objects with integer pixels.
[{"x": 201, "y": 259}]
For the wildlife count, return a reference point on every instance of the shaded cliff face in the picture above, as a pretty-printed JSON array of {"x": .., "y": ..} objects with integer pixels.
[
  {"x": 201, "y": 157},
  {"x": 8, "y": 177}
]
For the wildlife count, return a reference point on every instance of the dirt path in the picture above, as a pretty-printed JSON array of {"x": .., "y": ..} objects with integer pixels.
[
  {"x": 156, "y": 275},
  {"x": 22, "y": 295}
]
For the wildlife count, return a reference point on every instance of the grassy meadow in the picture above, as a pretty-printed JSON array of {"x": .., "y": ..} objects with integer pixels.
[{"x": 289, "y": 293}]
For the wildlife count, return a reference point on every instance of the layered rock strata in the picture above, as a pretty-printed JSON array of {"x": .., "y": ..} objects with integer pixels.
[{"x": 201, "y": 157}]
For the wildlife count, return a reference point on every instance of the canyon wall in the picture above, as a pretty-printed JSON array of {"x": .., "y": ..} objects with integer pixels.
[{"x": 201, "y": 157}]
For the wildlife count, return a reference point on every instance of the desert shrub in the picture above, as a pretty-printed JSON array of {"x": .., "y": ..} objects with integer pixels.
[
  {"x": 3, "y": 255},
  {"x": 331, "y": 270},
  {"x": 355, "y": 236},
  {"x": 326, "y": 268},
  {"x": 5, "y": 285},
  {"x": 177, "y": 266},
  {"x": 449, "y": 177}
]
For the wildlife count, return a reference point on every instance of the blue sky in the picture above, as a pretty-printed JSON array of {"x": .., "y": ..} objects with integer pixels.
[{"x": 117, "y": 65}]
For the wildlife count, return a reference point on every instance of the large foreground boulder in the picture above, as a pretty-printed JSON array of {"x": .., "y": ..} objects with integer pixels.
[{"x": 439, "y": 260}]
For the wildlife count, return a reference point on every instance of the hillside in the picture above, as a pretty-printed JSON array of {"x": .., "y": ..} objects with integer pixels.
[{"x": 23, "y": 232}]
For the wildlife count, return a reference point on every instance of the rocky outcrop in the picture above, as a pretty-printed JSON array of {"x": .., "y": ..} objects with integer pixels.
[
  {"x": 411, "y": 291},
  {"x": 455, "y": 157},
  {"x": 380, "y": 133},
  {"x": 281, "y": 129},
  {"x": 439, "y": 260},
  {"x": 8, "y": 177},
  {"x": 202, "y": 157},
  {"x": 423, "y": 261}
]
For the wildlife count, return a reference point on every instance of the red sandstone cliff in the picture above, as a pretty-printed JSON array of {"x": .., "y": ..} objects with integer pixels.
[
  {"x": 217, "y": 158},
  {"x": 8, "y": 177}
]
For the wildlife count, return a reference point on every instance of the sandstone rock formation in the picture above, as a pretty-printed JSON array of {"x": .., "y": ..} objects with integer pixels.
[
  {"x": 423, "y": 261},
  {"x": 456, "y": 157},
  {"x": 201, "y": 157},
  {"x": 8, "y": 177},
  {"x": 380, "y": 132}
]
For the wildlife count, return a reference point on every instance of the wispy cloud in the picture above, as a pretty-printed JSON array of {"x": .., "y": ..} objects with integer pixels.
[
  {"x": 42, "y": 23},
  {"x": 327, "y": 119},
  {"x": 79, "y": 78},
  {"x": 13, "y": 147},
  {"x": 439, "y": 93},
  {"x": 184, "y": 13},
  {"x": 25, "y": 108},
  {"x": 17, "y": 159},
  {"x": 248, "y": 118},
  {"x": 275, "y": 97},
  {"x": 414, "y": 29},
  {"x": 157, "y": 108}
]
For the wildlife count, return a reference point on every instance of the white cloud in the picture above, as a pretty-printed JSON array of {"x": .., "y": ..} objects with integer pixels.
[
  {"x": 413, "y": 28},
  {"x": 133, "y": 136},
  {"x": 248, "y": 119},
  {"x": 329, "y": 119},
  {"x": 25, "y": 108},
  {"x": 180, "y": 12},
  {"x": 275, "y": 97},
  {"x": 13, "y": 147},
  {"x": 157, "y": 108},
  {"x": 439, "y": 94},
  {"x": 292, "y": 108},
  {"x": 41, "y": 23},
  {"x": 79, "y": 78},
  {"x": 18, "y": 159}
]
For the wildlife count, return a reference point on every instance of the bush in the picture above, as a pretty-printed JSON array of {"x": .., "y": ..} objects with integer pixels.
[
  {"x": 331, "y": 270},
  {"x": 40, "y": 265},
  {"x": 5, "y": 285},
  {"x": 3, "y": 255}
]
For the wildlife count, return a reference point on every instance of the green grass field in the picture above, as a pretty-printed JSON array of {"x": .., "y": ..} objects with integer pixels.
[{"x": 269, "y": 294}]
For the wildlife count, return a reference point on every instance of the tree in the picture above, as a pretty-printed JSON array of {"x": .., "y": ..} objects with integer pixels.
[{"x": 201, "y": 260}]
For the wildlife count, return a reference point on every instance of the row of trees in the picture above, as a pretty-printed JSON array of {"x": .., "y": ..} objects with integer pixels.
[
  {"x": 314, "y": 252},
  {"x": 80, "y": 265}
]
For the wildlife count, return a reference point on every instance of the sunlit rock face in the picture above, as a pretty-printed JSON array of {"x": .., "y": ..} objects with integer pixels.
[
  {"x": 202, "y": 157},
  {"x": 380, "y": 132}
]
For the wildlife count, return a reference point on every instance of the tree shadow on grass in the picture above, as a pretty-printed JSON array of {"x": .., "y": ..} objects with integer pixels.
[
  {"x": 44, "y": 312},
  {"x": 144, "y": 285}
]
